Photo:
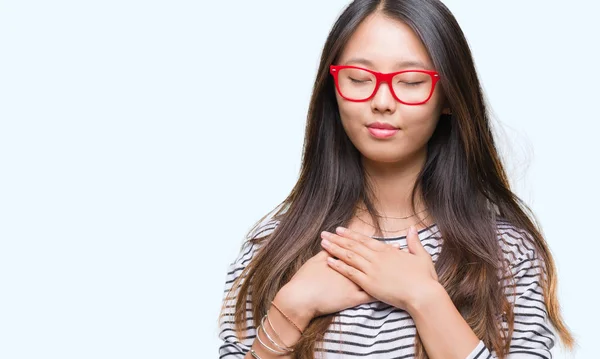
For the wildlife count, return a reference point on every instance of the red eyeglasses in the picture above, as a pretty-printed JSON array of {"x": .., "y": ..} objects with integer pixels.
[{"x": 410, "y": 87}]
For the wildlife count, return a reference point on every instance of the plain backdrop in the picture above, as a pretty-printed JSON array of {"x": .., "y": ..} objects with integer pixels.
[{"x": 138, "y": 146}]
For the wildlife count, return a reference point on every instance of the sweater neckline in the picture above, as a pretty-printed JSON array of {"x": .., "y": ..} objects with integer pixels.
[{"x": 404, "y": 236}]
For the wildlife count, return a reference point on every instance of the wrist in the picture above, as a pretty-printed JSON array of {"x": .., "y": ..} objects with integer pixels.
[
  {"x": 422, "y": 299},
  {"x": 296, "y": 311}
]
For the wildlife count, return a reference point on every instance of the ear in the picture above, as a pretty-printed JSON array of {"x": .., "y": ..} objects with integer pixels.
[{"x": 446, "y": 108}]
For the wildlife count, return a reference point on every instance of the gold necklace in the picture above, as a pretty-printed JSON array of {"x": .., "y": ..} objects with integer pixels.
[
  {"x": 412, "y": 215},
  {"x": 386, "y": 231}
]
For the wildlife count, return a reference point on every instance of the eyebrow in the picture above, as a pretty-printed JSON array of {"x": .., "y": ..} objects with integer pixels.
[{"x": 400, "y": 64}]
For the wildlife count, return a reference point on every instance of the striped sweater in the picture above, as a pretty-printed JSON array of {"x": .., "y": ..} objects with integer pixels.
[{"x": 378, "y": 330}]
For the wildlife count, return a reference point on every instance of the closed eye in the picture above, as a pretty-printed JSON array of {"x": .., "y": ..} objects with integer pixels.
[{"x": 358, "y": 81}]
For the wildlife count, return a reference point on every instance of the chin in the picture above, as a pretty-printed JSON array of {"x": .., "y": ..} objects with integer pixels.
[{"x": 383, "y": 156}]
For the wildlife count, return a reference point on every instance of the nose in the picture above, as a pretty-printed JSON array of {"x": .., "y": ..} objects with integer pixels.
[{"x": 384, "y": 101}]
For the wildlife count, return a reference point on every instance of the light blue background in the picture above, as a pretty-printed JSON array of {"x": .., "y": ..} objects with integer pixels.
[{"x": 137, "y": 147}]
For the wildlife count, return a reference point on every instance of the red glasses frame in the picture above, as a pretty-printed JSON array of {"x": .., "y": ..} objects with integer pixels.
[{"x": 383, "y": 77}]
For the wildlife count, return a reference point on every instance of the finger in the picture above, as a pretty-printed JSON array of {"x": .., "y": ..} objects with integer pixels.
[
  {"x": 347, "y": 253},
  {"x": 414, "y": 243},
  {"x": 397, "y": 246},
  {"x": 363, "y": 239},
  {"x": 349, "y": 244},
  {"x": 355, "y": 275}
]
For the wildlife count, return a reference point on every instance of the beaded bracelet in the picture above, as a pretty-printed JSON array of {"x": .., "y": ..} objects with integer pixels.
[{"x": 286, "y": 317}]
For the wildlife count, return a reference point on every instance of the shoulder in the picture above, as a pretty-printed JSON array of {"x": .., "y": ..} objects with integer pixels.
[
  {"x": 263, "y": 228},
  {"x": 516, "y": 243},
  {"x": 521, "y": 254},
  {"x": 253, "y": 241},
  {"x": 247, "y": 251}
]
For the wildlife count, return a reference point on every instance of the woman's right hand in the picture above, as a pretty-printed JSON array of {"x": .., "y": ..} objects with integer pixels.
[{"x": 316, "y": 289}]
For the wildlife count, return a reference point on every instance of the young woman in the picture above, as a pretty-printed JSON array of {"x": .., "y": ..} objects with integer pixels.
[{"x": 402, "y": 237}]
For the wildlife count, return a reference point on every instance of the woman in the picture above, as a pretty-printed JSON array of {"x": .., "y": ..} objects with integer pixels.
[{"x": 402, "y": 237}]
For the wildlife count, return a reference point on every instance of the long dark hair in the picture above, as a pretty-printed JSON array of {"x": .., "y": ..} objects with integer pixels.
[{"x": 463, "y": 183}]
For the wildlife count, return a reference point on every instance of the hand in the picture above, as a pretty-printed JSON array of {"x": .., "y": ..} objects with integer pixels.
[
  {"x": 396, "y": 277},
  {"x": 317, "y": 289}
]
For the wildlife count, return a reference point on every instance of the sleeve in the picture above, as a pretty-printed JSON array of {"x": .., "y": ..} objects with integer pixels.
[
  {"x": 532, "y": 335},
  {"x": 233, "y": 346}
]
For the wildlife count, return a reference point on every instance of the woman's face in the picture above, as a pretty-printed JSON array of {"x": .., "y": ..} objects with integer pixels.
[{"x": 380, "y": 44}]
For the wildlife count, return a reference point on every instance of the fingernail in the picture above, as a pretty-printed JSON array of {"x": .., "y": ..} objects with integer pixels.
[
  {"x": 413, "y": 230},
  {"x": 325, "y": 243},
  {"x": 324, "y": 234},
  {"x": 340, "y": 229}
]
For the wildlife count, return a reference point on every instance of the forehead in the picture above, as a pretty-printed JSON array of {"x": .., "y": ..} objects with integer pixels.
[{"x": 385, "y": 43}]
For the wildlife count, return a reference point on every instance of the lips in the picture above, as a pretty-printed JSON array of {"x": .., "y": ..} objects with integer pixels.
[
  {"x": 382, "y": 133},
  {"x": 382, "y": 126},
  {"x": 381, "y": 130}
]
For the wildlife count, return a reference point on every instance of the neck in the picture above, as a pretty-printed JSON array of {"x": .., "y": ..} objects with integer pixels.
[{"x": 392, "y": 185}]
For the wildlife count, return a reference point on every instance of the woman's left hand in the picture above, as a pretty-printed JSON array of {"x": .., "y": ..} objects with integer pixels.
[{"x": 396, "y": 277}]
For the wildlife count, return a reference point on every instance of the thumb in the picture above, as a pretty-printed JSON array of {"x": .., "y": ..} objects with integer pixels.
[{"x": 414, "y": 243}]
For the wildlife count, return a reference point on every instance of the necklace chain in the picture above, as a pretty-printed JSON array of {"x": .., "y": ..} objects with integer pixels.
[
  {"x": 386, "y": 231},
  {"x": 379, "y": 216}
]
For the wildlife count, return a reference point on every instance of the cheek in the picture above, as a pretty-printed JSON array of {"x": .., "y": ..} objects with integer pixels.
[
  {"x": 420, "y": 121},
  {"x": 419, "y": 129},
  {"x": 353, "y": 116}
]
